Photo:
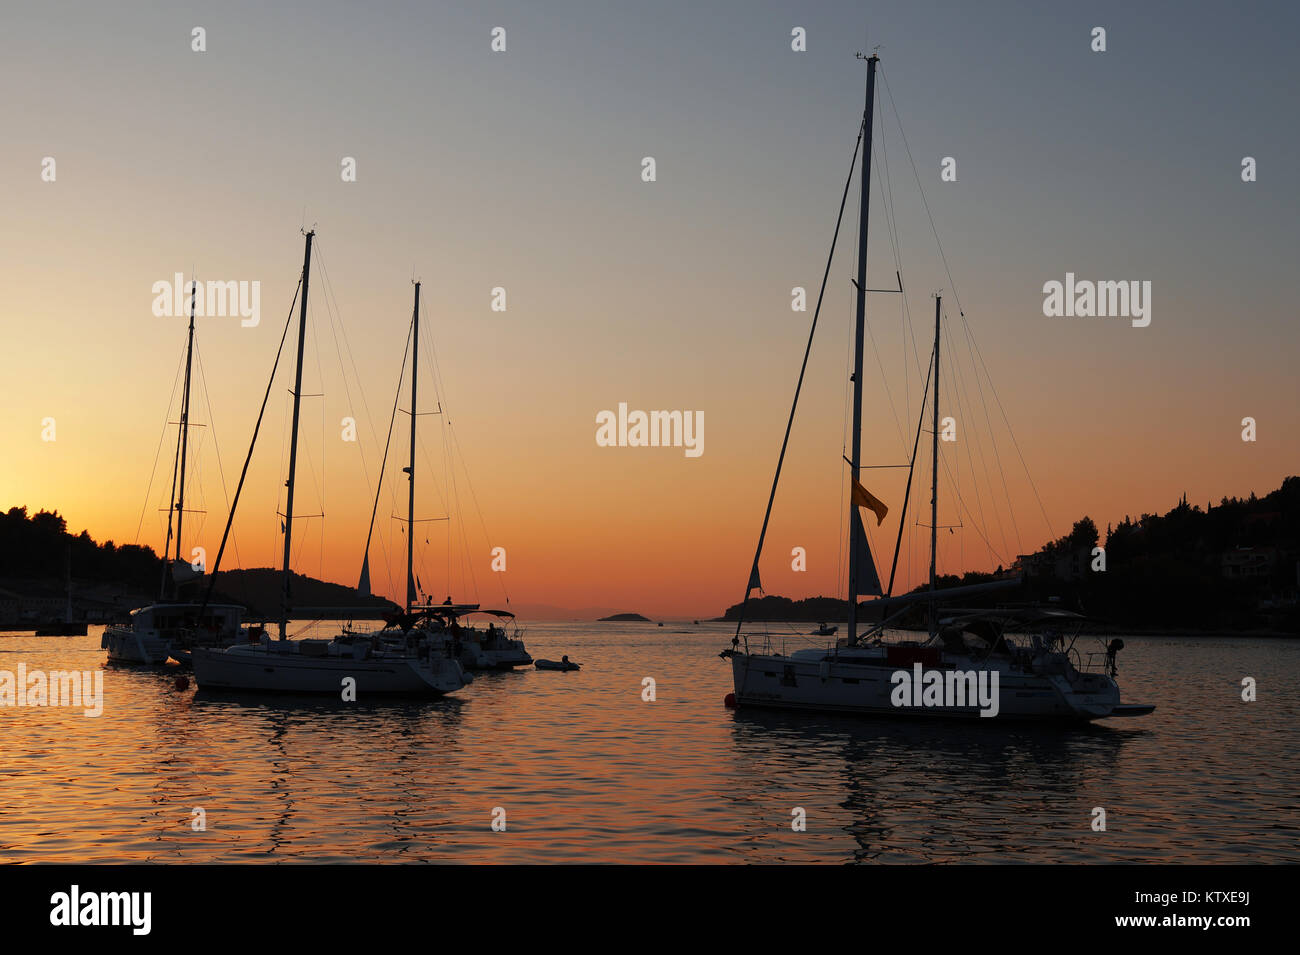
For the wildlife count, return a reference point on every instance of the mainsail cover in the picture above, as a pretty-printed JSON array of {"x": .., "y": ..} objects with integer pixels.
[
  {"x": 363, "y": 586},
  {"x": 868, "y": 580}
]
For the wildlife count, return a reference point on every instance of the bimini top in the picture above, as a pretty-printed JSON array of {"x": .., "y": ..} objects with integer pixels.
[
  {"x": 446, "y": 611},
  {"x": 1011, "y": 615},
  {"x": 164, "y": 607},
  {"x": 461, "y": 610}
]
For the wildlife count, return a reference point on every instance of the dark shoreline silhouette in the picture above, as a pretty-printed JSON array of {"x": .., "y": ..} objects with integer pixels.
[{"x": 1232, "y": 568}]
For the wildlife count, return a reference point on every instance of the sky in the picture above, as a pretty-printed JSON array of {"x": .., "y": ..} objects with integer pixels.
[{"x": 523, "y": 170}]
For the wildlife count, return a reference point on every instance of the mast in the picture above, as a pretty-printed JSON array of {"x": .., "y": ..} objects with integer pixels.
[
  {"x": 293, "y": 440},
  {"x": 68, "y": 617},
  {"x": 410, "y": 469},
  {"x": 934, "y": 475},
  {"x": 855, "y": 465},
  {"x": 185, "y": 419}
]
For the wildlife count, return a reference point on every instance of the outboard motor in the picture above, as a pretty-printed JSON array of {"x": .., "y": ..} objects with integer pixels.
[{"x": 1112, "y": 648}]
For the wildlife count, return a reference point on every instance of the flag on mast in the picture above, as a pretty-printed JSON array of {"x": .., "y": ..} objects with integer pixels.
[{"x": 864, "y": 498}]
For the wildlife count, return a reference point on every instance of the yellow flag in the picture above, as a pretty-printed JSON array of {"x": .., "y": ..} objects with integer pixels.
[{"x": 864, "y": 498}]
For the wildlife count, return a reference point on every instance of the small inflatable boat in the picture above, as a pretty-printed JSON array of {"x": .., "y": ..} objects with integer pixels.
[{"x": 565, "y": 664}]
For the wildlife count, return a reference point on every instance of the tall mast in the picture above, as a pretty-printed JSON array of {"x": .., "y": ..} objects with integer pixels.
[
  {"x": 934, "y": 475},
  {"x": 410, "y": 469},
  {"x": 293, "y": 440},
  {"x": 185, "y": 418},
  {"x": 68, "y": 617},
  {"x": 859, "y": 328}
]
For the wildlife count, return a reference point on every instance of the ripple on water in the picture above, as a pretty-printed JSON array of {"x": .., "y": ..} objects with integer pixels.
[{"x": 587, "y": 771}]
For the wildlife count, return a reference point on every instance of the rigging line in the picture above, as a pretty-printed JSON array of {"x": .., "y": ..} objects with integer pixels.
[
  {"x": 953, "y": 481},
  {"x": 212, "y": 581},
  {"x": 957, "y": 298},
  {"x": 443, "y": 499},
  {"x": 466, "y": 561},
  {"x": 450, "y": 501},
  {"x": 799, "y": 386},
  {"x": 318, "y": 481},
  {"x": 973, "y": 525},
  {"x": 964, "y": 506},
  {"x": 891, "y": 223},
  {"x": 898, "y": 425},
  {"x": 842, "y": 532},
  {"x": 1010, "y": 433},
  {"x": 447, "y": 509},
  {"x": 384, "y": 464},
  {"x": 961, "y": 397},
  {"x": 884, "y": 381},
  {"x": 207, "y": 396},
  {"x": 365, "y": 403},
  {"x": 907, "y": 494},
  {"x": 336, "y": 322},
  {"x": 335, "y": 319},
  {"x": 997, "y": 460},
  {"x": 474, "y": 497},
  {"x": 158, "y": 453},
  {"x": 280, "y": 486},
  {"x": 905, "y": 309},
  {"x": 171, "y": 506}
]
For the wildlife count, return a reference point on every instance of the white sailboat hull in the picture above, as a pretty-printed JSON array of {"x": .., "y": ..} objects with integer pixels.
[
  {"x": 477, "y": 651},
  {"x": 127, "y": 645},
  {"x": 274, "y": 670},
  {"x": 476, "y": 657},
  {"x": 839, "y": 683}
]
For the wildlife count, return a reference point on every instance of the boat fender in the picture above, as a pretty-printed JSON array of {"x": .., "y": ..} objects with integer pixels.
[{"x": 729, "y": 701}]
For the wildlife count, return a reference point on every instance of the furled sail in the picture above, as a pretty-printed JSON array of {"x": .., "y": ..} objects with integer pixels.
[
  {"x": 363, "y": 586},
  {"x": 868, "y": 580}
]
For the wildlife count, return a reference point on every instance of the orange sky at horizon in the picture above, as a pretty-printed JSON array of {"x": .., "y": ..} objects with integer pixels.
[{"x": 673, "y": 294}]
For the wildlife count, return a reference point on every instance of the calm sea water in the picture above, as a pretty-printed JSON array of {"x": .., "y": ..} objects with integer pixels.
[{"x": 586, "y": 771}]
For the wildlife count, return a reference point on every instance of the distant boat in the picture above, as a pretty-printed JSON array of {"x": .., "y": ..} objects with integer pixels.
[
  {"x": 380, "y": 663},
  {"x": 61, "y": 630},
  {"x": 66, "y": 628},
  {"x": 563, "y": 664},
  {"x": 824, "y": 631},
  {"x": 969, "y": 654}
]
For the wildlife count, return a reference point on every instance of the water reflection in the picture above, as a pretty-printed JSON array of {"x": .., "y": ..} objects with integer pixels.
[
  {"x": 590, "y": 772},
  {"x": 929, "y": 790}
]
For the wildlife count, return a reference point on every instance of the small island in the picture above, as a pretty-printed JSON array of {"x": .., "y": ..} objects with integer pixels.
[{"x": 620, "y": 617}]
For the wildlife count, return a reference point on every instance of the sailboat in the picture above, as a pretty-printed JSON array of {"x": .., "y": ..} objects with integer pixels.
[
  {"x": 67, "y": 627},
  {"x": 157, "y": 632},
  {"x": 377, "y": 664},
  {"x": 970, "y": 666},
  {"x": 489, "y": 648},
  {"x": 440, "y": 626}
]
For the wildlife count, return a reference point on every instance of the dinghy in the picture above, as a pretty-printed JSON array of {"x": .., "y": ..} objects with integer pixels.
[{"x": 564, "y": 664}]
